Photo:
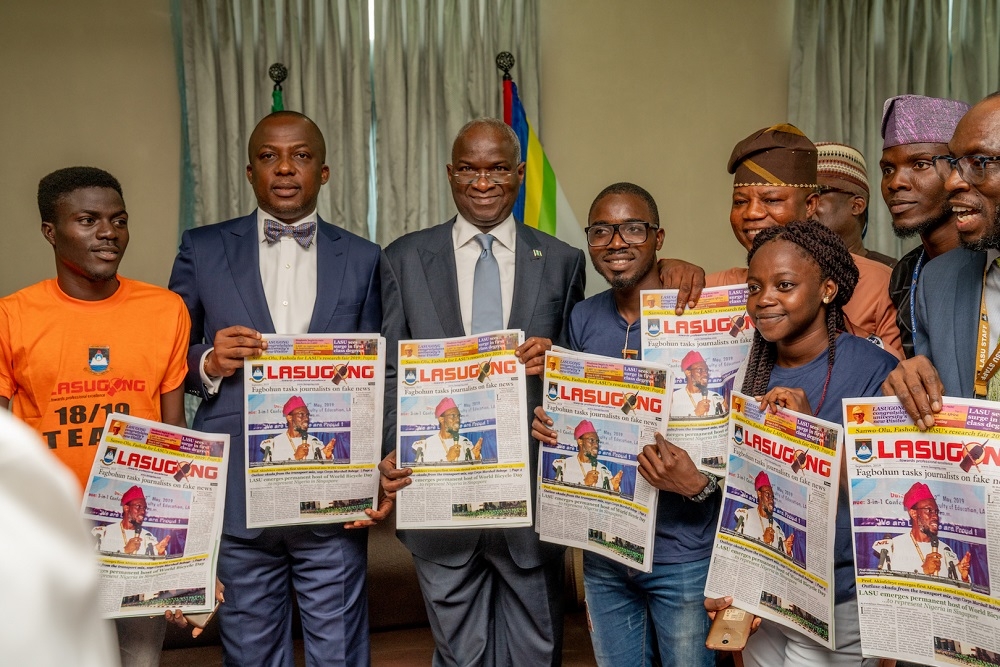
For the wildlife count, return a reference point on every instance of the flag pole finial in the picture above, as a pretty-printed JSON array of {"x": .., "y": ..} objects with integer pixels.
[
  {"x": 278, "y": 73},
  {"x": 505, "y": 63}
]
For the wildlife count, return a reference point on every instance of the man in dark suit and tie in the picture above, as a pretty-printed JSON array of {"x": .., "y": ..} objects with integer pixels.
[
  {"x": 957, "y": 319},
  {"x": 493, "y": 596},
  {"x": 278, "y": 270}
]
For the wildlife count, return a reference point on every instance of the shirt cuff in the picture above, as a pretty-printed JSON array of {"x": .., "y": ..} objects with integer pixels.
[{"x": 211, "y": 384}]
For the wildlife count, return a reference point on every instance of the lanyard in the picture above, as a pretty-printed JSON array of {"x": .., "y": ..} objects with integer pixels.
[
  {"x": 985, "y": 368},
  {"x": 913, "y": 293}
]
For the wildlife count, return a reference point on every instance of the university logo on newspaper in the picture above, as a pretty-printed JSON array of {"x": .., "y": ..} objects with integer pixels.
[
  {"x": 653, "y": 327},
  {"x": 553, "y": 392},
  {"x": 257, "y": 373},
  {"x": 98, "y": 359},
  {"x": 862, "y": 451},
  {"x": 109, "y": 456},
  {"x": 410, "y": 376}
]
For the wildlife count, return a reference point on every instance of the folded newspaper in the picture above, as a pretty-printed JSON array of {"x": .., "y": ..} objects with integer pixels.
[
  {"x": 590, "y": 494},
  {"x": 462, "y": 426},
  {"x": 773, "y": 550},
  {"x": 313, "y": 419},
  {"x": 704, "y": 348},
  {"x": 154, "y": 508},
  {"x": 925, "y": 515}
]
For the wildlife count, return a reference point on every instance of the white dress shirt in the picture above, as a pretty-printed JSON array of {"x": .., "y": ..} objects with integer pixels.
[
  {"x": 993, "y": 296},
  {"x": 288, "y": 274},
  {"x": 467, "y": 251}
]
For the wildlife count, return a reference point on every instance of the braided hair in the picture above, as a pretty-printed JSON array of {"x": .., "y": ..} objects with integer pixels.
[{"x": 828, "y": 251}]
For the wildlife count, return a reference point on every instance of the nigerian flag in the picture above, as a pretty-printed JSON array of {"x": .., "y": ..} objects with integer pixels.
[{"x": 541, "y": 203}]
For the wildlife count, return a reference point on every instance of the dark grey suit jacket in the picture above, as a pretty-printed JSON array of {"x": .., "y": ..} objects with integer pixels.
[
  {"x": 420, "y": 300},
  {"x": 948, "y": 294}
]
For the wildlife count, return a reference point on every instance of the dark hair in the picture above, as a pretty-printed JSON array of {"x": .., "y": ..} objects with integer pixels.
[
  {"x": 628, "y": 189},
  {"x": 828, "y": 251},
  {"x": 64, "y": 181}
]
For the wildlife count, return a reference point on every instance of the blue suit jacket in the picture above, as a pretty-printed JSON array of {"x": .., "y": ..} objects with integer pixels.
[
  {"x": 948, "y": 294},
  {"x": 217, "y": 273},
  {"x": 420, "y": 297}
]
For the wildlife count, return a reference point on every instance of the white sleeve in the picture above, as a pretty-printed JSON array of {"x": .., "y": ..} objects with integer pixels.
[{"x": 211, "y": 384}]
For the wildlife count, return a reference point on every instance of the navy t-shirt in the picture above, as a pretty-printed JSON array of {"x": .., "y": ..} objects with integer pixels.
[
  {"x": 685, "y": 530},
  {"x": 859, "y": 368}
]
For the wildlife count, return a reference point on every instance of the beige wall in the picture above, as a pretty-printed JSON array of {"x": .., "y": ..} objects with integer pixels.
[
  {"x": 658, "y": 93},
  {"x": 89, "y": 83}
]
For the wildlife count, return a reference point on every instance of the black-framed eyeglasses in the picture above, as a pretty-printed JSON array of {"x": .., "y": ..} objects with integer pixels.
[
  {"x": 494, "y": 176},
  {"x": 971, "y": 168},
  {"x": 632, "y": 232}
]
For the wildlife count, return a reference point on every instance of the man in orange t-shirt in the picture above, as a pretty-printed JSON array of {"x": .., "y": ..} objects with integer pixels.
[
  {"x": 775, "y": 183},
  {"x": 89, "y": 342}
]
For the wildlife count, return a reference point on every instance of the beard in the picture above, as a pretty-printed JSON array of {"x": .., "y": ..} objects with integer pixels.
[
  {"x": 622, "y": 282},
  {"x": 990, "y": 239},
  {"x": 923, "y": 226}
]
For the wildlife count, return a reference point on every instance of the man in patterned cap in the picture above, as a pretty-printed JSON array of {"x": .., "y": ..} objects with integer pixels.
[
  {"x": 843, "y": 197},
  {"x": 584, "y": 469},
  {"x": 775, "y": 183},
  {"x": 915, "y": 129}
]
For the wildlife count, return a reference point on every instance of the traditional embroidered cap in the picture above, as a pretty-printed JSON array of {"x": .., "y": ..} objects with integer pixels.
[
  {"x": 690, "y": 359},
  {"x": 583, "y": 428},
  {"x": 761, "y": 480},
  {"x": 294, "y": 403},
  {"x": 857, "y": 410},
  {"x": 915, "y": 119},
  {"x": 843, "y": 167},
  {"x": 778, "y": 155},
  {"x": 446, "y": 404},
  {"x": 134, "y": 493},
  {"x": 919, "y": 491}
]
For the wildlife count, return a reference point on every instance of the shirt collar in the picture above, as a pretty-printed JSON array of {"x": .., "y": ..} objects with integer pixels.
[
  {"x": 991, "y": 257},
  {"x": 261, "y": 216},
  {"x": 464, "y": 232}
]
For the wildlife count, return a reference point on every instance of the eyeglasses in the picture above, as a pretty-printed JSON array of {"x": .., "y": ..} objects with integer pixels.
[
  {"x": 971, "y": 168},
  {"x": 632, "y": 233},
  {"x": 929, "y": 511},
  {"x": 494, "y": 176}
]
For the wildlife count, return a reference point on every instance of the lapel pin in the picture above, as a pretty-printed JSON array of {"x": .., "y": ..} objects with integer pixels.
[{"x": 537, "y": 253}]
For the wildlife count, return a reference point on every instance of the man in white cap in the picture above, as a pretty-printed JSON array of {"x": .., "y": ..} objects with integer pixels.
[{"x": 842, "y": 175}]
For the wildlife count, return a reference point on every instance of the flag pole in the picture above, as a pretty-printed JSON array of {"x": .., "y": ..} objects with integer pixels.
[{"x": 278, "y": 73}]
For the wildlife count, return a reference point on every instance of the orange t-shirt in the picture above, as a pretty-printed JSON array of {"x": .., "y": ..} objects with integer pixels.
[
  {"x": 65, "y": 364},
  {"x": 870, "y": 311}
]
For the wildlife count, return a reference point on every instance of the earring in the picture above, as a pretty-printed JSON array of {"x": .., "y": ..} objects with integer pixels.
[{"x": 826, "y": 299}]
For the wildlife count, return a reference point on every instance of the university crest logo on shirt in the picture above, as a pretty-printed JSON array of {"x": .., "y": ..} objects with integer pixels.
[
  {"x": 653, "y": 327},
  {"x": 109, "y": 455},
  {"x": 257, "y": 373},
  {"x": 410, "y": 376},
  {"x": 98, "y": 359}
]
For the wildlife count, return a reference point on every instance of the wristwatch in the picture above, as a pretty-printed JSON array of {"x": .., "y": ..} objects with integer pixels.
[{"x": 710, "y": 488}]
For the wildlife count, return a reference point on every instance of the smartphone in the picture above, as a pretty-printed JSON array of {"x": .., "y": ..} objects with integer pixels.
[
  {"x": 730, "y": 630},
  {"x": 201, "y": 620}
]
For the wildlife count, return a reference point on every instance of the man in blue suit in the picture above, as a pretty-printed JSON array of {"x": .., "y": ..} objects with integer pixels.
[
  {"x": 492, "y": 596},
  {"x": 952, "y": 309},
  {"x": 278, "y": 270}
]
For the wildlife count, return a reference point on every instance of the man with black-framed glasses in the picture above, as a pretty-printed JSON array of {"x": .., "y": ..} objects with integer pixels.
[
  {"x": 958, "y": 296},
  {"x": 624, "y": 605}
]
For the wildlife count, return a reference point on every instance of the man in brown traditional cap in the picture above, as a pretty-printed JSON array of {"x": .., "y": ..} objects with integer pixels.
[
  {"x": 775, "y": 183},
  {"x": 843, "y": 197},
  {"x": 915, "y": 129}
]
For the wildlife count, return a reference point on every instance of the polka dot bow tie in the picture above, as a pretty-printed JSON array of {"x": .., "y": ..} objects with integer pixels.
[{"x": 303, "y": 234}]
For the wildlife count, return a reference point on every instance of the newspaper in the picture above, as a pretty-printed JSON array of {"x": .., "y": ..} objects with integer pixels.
[
  {"x": 704, "y": 348},
  {"x": 154, "y": 508},
  {"x": 774, "y": 548},
  {"x": 925, "y": 575},
  {"x": 313, "y": 419},
  {"x": 462, "y": 426},
  {"x": 604, "y": 410}
]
